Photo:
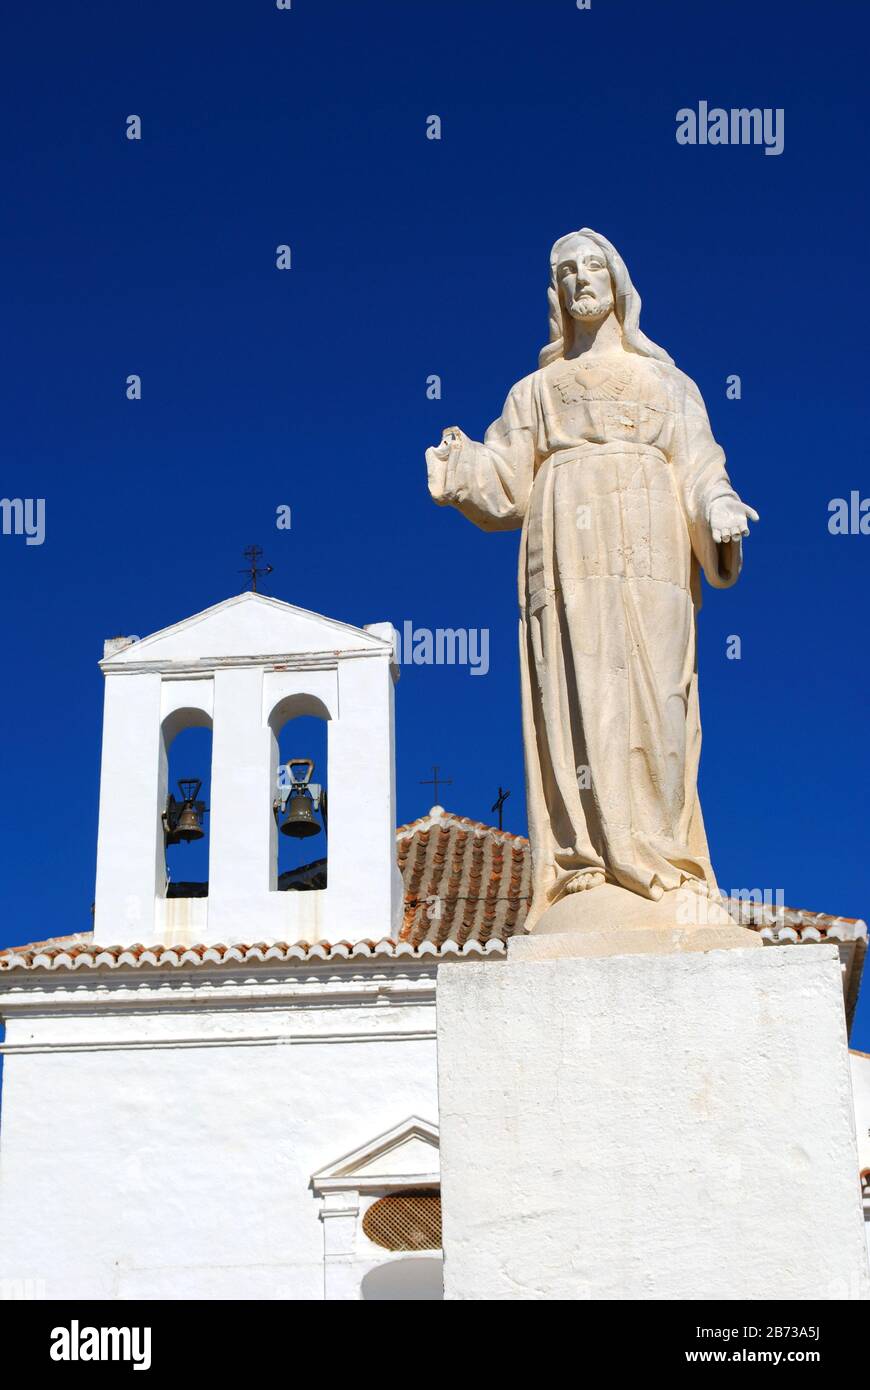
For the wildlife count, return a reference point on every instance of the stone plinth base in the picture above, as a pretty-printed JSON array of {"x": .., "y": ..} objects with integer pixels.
[
  {"x": 608, "y": 908},
  {"x": 645, "y": 1126},
  {"x": 631, "y": 941}
]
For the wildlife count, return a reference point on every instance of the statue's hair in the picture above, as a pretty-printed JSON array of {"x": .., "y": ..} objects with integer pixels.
[{"x": 625, "y": 297}]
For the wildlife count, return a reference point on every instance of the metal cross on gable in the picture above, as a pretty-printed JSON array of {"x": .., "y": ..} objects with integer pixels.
[
  {"x": 436, "y": 781},
  {"x": 252, "y": 554}
]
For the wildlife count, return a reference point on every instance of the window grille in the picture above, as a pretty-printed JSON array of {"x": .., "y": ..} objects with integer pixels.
[{"x": 405, "y": 1221}]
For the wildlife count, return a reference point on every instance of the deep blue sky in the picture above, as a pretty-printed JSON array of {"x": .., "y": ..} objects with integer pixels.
[{"x": 412, "y": 257}]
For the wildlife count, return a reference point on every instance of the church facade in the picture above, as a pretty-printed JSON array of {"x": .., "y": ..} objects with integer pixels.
[{"x": 233, "y": 1092}]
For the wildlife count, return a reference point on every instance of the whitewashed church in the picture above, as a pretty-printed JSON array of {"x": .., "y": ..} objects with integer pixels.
[{"x": 228, "y": 1089}]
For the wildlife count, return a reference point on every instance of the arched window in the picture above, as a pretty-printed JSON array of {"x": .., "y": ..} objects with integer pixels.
[
  {"x": 300, "y": 725},
  {"x": 186, "y": 797},
  {"x": 405, "y": 1221}
]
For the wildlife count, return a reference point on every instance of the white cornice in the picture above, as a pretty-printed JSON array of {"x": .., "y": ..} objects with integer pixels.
[
  {"x": 286, "y": 661},
  {"x": 205, "y": 989},
  {"x": 162, "y": 1044}
]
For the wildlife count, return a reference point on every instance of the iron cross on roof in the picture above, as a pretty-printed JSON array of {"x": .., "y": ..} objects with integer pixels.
[
  {"x": 498, "y": 805},
  {"x": 436, "y": 781},
  {"x": 252, "y": 554}
]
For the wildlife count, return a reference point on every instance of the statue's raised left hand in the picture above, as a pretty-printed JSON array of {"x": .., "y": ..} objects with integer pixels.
[{"x": 729, "y": 518}]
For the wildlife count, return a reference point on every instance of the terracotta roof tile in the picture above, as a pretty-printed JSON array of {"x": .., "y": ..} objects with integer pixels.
[{"x": 35, "y": 957}]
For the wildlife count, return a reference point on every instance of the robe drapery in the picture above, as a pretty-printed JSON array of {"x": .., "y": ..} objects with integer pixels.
[{"x": 609, "y": 466}]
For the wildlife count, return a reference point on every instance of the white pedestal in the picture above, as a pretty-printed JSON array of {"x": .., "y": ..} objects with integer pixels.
[{"x": 647, "y": 1126}]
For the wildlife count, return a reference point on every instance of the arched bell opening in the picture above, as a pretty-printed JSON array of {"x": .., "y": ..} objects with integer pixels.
[
  {"x": 300, "y": 801},
  {"x": 185, "y": 801}
]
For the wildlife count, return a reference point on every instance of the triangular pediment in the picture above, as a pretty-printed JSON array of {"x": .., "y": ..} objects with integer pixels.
[
  {"x": 404, "y": 1156},
  {"x": 246, "y": 626}
]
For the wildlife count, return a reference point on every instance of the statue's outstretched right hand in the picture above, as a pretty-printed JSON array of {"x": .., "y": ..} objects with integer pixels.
[
  {"x": 439, "y": 461},
  {"x": 729, "y": 518}
]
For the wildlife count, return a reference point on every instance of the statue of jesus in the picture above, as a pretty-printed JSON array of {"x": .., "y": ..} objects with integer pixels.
[{"x": 605, "y": 459}]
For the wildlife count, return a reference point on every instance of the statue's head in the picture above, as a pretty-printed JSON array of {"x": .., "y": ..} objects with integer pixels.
[
  {"x": 583, "y": 280},
  {"x": 589, "y": 281}
]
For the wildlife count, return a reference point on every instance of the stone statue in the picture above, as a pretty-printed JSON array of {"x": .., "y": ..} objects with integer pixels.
[{"x": 605, "y": 458}]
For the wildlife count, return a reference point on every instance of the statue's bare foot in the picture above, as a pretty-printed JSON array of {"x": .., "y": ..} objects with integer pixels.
[
  {"x": 697, "y": 885},
  {"x": 584, "y": 880}
]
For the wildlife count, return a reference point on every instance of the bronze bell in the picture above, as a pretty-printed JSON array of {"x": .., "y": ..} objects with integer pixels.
[
  {"x": 182, "y": 820},
  {"x": 300, "y": 821},
  {"x": 188, "y": 826}
]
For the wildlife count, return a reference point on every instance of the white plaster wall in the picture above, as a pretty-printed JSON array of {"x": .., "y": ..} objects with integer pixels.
[
  {"x": 177, "y": 696},
  {"x": 649, "y": 1127},
  {"x": 365, "y": 887},
  {"x": 130, "y": 843},
  {"x": 159, "y": 1129},
  {"x": 183, "y": 921},
  {"x": 159, "y": 1134},
  {"x": 860, "y": 1066},
  {"x": 241, "y": 804}
]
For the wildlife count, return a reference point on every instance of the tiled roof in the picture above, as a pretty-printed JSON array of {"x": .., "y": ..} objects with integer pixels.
[
  {"x": 464, "y": 881},
  {"x": 58, "y": 954},
  {"x": 466, "y": 892}
]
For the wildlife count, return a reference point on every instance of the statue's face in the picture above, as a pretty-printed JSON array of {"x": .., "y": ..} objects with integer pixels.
[{"x": 584, "y": 281}]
